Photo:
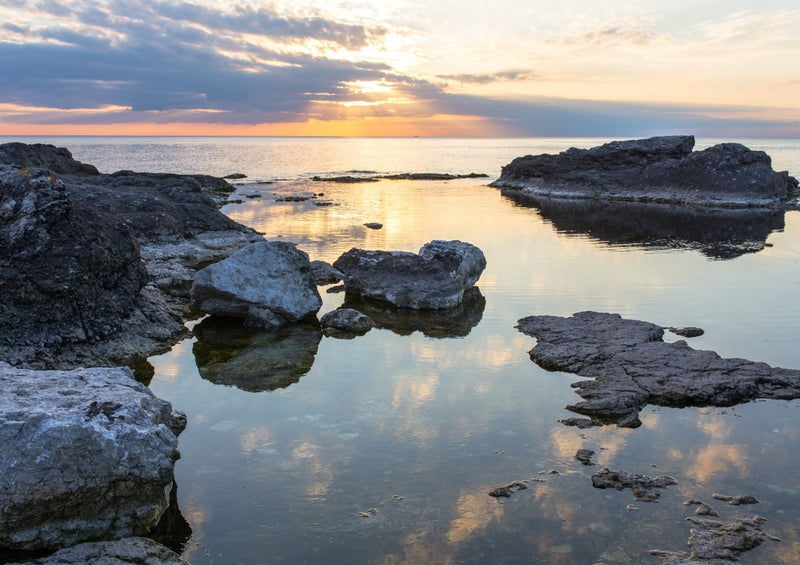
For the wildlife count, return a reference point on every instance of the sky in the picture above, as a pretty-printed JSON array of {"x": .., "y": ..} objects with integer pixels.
[{"x": 503, "y": 68}]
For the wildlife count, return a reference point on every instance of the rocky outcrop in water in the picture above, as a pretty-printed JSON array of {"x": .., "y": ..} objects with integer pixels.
[
  {"x": 658, "y": 169},
  {"x": 87, "y": 454},
  {"x": 346, "y": 323},
  {"x": 267, "y": 284},
  {"x": 75, "y": 288},
  {"x": 434, "y": 279},
  {"x": 631, "y": 366},
  {"x": 128, "y": 551}
]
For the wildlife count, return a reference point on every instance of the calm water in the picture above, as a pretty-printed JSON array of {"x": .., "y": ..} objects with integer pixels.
[{"x": 419, "y": 423}]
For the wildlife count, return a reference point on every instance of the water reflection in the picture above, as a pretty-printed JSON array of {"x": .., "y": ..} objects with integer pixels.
[
  {"x": 172, "y": 529},
  {"x": 452, "y": 322},
  {"x": 228, "y": 353},
  {"x": 716, "y": 232}
]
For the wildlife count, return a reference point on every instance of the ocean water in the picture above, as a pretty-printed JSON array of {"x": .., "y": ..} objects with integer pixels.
[{"x": 382, "y": 449}]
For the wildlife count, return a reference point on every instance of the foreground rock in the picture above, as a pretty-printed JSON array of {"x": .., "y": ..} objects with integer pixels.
[
  {"x": 631, "y": 366},
  {"x": 267, "y": 284},
  {"x": 87, "y": 454},
  {"x": 658, "y": 169},
  {"x": 76, "y": 290},
  {"x": 434, "y": 279},
  {"x": 129, "y": 551}
]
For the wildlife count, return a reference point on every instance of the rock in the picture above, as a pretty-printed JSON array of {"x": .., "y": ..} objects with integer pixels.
[
  {"x": 687, "y": 332},
  {"x": 432, "y": 176},
  {"x": 505, "y": 491},
  {"x": 374, "y": 225},
  {"x": 235, "y": 176},
  {"x": 585, "y": 456},
  {"x": 57, "y": 160},
  {"x": 346, "y": 322},
  {"x": 717, "y": 542},
  {"x": 644, "y": 488},
  {"x": 451, "y": 322},
  {"x": 631, "y": 366},
  {"x": 434, "y": 279},
  {"x": 267, "y": 284},
  {"x": 128, "y": 551},
  {"x": 253, "y": 360},
  {"x": 736, "y": 500},
  {"x": 324, "y": 273},
  {"x": 720, "y": 233},
  {"x": 658, "y": 169},
  {"x": 87, "y": 454},
  {"x": 581, "y": 423}
]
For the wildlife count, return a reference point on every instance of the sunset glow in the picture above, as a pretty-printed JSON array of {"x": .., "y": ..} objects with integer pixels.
[{"x": 369, "y": 68}]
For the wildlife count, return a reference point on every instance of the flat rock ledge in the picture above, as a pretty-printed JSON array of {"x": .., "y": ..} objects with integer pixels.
[
  {"x": 128, "y": 551},
  {"x": 631, "y": 366},
  {"x": 86, "y": 455},
  {"x": 658, "y": 169}
]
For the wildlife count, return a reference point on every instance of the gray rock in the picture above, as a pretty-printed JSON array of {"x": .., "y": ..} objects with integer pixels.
[
  {"x": 230, "y": 354},
  {"x": 643, "y": 487},
  {"x": 658, "y": 169},
  {"x": 585, "y": 456},
  {"x": 687, "y": 331},
  {"x": 374, "y": 225},
  {"x": 324, "y": 273},
  {"x": 434, "y": 279},
  {"x": 55, "y": 159},
  {"x": 631, "y": 366},
  {"x": 128, "y": 551},
  {"x": 267, "y": 284},
  {"x": 346, "y": 322},
  {"x": 713, "y": 541},
  {"x": 87, "y": 454}
]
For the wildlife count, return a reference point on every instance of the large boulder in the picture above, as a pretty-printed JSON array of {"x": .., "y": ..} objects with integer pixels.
[
  {"x": 128, "y": 551},
  {"x": 57, "y": 160},
  {"x": 267, "y": 284},
  {"x": 434, "y": 279},
  {"x": 630, "y": 366},
  {"x": 658, "y": 169},
  {"x": 87, "y": 454}
]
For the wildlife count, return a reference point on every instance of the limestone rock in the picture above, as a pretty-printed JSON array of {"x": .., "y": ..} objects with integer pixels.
[
  {"x": 434, "y": 279},
  {"x": 631, "y": 366},
  {"x": 267, "y": 284},
  {"x": 658, "y": 169},
  {"x": 128, "y": 551},
  {"x": 87, "y": 454}
]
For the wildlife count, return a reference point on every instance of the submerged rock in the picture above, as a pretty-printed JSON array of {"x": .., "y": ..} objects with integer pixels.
[
  {"x": 506, "y": 491},
  {"x": 434, "y": 279},
  {"x": 128, "y": 551},
  {"x": 267, "y": 284},
  {"x": 87, "y": 454},
  {"x": 658, "y": 169},
  {"x": 631, "y": 366},
  {"x": 228, "y": 353},
  {"x": 643, "y": 487}
]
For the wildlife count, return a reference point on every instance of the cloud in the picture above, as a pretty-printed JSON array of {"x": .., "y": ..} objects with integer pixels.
[
  {"x": 488, "y": 78},
  {"x": 608, "y": 35}
]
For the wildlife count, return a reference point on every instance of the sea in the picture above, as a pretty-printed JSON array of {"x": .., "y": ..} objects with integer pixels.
[{"x": 382, "y": 449}]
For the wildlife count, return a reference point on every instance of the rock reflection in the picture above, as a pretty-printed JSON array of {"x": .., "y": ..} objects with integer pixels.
[
  {"x": 228, "y": 353},
  {"x": 452, "y": 322},
  {"x": 719, "y": 233},
  {"x": 172, "y": 530}
]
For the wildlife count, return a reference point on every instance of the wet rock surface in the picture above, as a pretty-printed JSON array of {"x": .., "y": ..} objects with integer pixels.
[
  {"x": 644, "y": 488},
  {"x": 87, "y": 454},
  {"x": 254, "y": 360},
  {"x": 267, "y": 284},
  {"x": 128, "y": 551},
  {"x": 631, "y": 366},
  {"x": 434, "y": 279},
  {"x": 346, "y": 323},
  {"x": 658, "y": 169}
]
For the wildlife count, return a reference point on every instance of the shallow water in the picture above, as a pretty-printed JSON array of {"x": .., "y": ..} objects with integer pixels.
[{"x": 419, "y": 424}]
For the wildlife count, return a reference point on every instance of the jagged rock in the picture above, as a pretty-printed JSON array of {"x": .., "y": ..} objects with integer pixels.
[
  {"x": 87, "y": 454},
  {"x": 585, "y": 456},
  {"x": 506, "y": 491},
  {"x": 631, "y": 366},
  {"x": 643, "y": 487},
  {"x": 434, "y": 279},
  {"x": 717, "y": 542},
  {"x": 658, "y": 169},
  {"x": 736, "y": 500},
  {"x": 57, "y": 160},
  {"x": 267, "y": 284},
  {"x": 128, "y": 551},
  {"x": 228, "y": 353},
  {"x": 346, "y": 322}
]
